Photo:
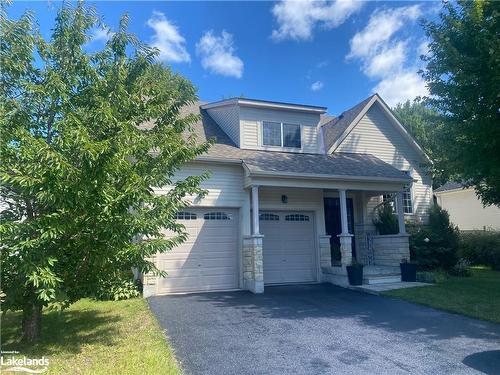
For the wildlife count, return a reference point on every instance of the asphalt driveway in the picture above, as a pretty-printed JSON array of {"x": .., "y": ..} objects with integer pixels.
[{"x": 322, "y": 329}]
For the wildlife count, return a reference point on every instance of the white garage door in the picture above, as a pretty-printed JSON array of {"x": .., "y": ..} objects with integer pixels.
[
  {"x": 208, "y": 260},
  {"x": 288, "y": 247}
]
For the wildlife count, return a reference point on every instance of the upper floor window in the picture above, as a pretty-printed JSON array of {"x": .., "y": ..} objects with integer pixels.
[
  {"x": 281, "y": 134},
  {"x": 272, "y": 133}
]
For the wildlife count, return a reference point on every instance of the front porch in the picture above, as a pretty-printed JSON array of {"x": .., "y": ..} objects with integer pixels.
[{"x": 349, "y": 236}]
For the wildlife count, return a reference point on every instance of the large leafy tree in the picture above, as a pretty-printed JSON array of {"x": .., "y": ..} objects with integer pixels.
[
  {"x": 463, "y": 74},
  {"x": 78, "y": 164},
  {"x": 425, "y": 124}
]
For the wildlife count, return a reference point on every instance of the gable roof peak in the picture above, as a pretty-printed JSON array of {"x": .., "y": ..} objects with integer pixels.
[{"x": 335, "y": 131}]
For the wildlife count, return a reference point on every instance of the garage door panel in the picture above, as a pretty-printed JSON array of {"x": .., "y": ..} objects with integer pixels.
[
  {"x": 182, "y": 284},
  {"x": 216, "y": 263},
  {"x": 289, "y": 251},
  {"x": 174, "y": 264},
  {"x": 208, "y": 260},
  {"x": 223, "y": 230}
]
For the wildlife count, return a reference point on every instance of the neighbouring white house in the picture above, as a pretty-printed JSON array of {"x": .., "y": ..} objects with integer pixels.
[
  {"x": 289, "y": 187},
  {"x": 465, "y": 208}
]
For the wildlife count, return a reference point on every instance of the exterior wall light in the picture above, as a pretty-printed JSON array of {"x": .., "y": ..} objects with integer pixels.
[{"x": 284, "y": 199}]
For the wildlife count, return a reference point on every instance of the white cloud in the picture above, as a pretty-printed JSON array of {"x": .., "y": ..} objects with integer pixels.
[
  {"x": 297, "y": 19},
  {"x": 386, "y": 61},
  {"x": 316, "y": 86},
  {"x": 167, "y": 39},
  {"x": 383, "y": 24},
  {"x": 385, "y": 57},
  {"x": 217, "y": 54},
  {"x": 100, "y": 34},
  {"x": 401, "y": 87}
]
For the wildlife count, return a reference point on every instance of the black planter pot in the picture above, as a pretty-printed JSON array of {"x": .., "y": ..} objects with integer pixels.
[
  {"x": 355, "y": 275},
  {"x": 408, "y": 272}
]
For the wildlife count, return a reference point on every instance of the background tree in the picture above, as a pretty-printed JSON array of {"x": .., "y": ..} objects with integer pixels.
[
  {"x": 463, "y": 74},
  {"x": 425, "y": 124},
  {"x": 77, "y": 170}
]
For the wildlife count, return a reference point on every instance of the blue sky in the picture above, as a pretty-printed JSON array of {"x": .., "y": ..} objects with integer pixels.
[{"x": 329, "y": 53}]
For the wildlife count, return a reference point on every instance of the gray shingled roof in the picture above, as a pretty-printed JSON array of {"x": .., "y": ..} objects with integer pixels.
[
  {"x": 450, "y": 186},
  {"x": 269, "y": 161},
  {"x": 334, "y": 129},
  {"x": 324, "y": 119}
]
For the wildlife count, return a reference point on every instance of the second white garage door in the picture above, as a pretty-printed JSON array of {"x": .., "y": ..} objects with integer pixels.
[
  {"x": 288, "y": 247},
  {"x": 208, "y": 260}
]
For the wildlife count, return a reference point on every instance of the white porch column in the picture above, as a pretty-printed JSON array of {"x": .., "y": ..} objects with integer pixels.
[
  {"x": 400, "y": 209},
  {"x": 345, "y": 237},
  {"x": 255, "y": 209},
  {"x": 343, "y": 212}
]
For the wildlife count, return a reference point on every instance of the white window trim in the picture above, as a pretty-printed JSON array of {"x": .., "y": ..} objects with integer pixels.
[
  {"x": 282, "y": 147},
  {"x": 412, "y": 197}
]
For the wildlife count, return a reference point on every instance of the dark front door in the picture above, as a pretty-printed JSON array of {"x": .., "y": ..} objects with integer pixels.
[{"x": 334, "y": 226}]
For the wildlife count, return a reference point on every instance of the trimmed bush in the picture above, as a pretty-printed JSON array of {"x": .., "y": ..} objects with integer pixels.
[
  {"x": 481, "y": 248},
  {"x": 386, "y": 221},
  {"x": 436, "y": 245}
]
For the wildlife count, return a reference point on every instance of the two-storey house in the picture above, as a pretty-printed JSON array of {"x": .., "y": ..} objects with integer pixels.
[{"x": 292, "y": 196}]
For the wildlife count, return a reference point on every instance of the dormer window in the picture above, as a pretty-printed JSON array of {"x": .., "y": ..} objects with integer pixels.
[
  {"x": 281, "y": 134},
  {"x": 272, "y": 133}
]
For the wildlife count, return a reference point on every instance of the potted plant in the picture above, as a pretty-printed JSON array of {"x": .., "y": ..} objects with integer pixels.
[
  {"x": 355, "y": 273},
  {"x": 408, "y": 270}
]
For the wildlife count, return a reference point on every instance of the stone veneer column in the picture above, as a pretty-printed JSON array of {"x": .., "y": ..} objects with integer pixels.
[
  {"x": 390, "y": 249},
  {"x": 345, "y": 249},
  {"x": 325, "y": 251},
  {"x": 253, "y": 271}
]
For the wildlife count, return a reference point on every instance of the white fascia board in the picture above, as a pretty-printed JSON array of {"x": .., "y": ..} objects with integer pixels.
[
  {"x": 265, "y": 104},
  {"x": 313, "y": 176},
  {"x": 208, "y": 159},
  {"x": 281, "y": 106}
]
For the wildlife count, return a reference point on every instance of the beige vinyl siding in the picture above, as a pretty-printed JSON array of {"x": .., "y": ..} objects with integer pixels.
[
  {"x": 298, "y": 200},
  {"x": 310, "y": 142},
  {"x": 227, "y": 117},
  {"x": 251, "y": 123},
  {"x": 225, "y": 185},
  {"x": 467, "y": 212},
  {"x": 376, "y": 135},
  {"x": 250, "y": 131}
]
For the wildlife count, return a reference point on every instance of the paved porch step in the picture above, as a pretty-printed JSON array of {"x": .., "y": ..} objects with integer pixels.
[
  {"x": 382, "y": 279},
  {"x": 381, "y": 270}
]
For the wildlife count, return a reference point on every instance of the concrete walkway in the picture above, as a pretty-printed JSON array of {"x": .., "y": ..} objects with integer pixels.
[{"x": 379, "y": 288}]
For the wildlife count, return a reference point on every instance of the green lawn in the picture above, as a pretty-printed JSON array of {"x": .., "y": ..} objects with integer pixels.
[
  {"x": 97, "y": 338},
  {"x": 477, "y": 296}
]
